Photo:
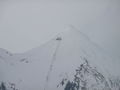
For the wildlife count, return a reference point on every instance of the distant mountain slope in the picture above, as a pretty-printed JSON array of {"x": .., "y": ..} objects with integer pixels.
[
  {"x": 4, "y": 54},
  {"x": 56, "y": 65}
]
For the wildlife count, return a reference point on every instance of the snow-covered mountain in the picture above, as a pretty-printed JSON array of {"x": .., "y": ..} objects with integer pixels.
[{"x": 70, "y": 61}]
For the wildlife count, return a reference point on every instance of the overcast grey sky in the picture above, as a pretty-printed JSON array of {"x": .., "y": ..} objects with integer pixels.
[{"x": 28, "y": 24}]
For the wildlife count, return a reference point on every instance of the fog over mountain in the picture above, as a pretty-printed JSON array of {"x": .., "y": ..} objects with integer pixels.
[
  {"x": 70, "y": 61},
  {"x": 25, "y": 24}
]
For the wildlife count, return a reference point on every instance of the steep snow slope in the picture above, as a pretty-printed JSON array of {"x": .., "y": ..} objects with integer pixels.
[{"x": 44, "y": 68}]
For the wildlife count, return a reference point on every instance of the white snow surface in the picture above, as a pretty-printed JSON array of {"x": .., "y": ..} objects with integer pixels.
[{"x": 44, "y": 67}]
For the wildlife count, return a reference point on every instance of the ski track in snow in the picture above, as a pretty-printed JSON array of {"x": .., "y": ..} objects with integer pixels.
[{"x": 52, "y": 64}]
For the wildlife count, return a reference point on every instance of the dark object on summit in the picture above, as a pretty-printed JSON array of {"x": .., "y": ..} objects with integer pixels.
[{"x": 58, "y": 38}]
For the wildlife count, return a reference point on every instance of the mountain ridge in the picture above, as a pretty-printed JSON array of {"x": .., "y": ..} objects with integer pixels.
[{"x": 46, "y": 66}]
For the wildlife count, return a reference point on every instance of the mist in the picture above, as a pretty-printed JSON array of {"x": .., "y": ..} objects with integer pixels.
[{"x": 28, "y": 24}]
